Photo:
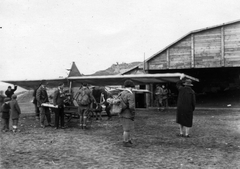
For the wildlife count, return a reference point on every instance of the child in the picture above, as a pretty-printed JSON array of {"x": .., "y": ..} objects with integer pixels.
[
  {"x": 5, "y": 109},
  {"x": 15, "y": 111}
]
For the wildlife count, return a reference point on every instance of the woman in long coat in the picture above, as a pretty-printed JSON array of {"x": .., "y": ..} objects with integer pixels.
[{"x": 185, "y": 106}]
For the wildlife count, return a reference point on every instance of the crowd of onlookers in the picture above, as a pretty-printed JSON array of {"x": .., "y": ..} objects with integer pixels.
[
  {"x": 7, "y": 103},
  {"x": 95, "y": 98}
]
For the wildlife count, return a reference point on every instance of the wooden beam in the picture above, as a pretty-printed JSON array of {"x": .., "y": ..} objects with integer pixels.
[
  {"x": 168, "y": 59},
  {"x": 222, "y": 47},
  {"x": 192, "y": 51}
]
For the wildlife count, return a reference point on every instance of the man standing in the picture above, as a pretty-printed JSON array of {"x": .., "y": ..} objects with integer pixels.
[
  {"x": 58, "y": 100},
  {"x": 37, "y": 111},
  {"x": 127, "y": 115},
  {"x": 161, "y": 97},
  {"x": 42, "y": 97},
  {"x": 185, "y": 106},
  {"x": 84, "y": 99},
  {"x": 9, "y": 92}
]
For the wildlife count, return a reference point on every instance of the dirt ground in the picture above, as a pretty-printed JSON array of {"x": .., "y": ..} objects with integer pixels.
[{"x": 214, "y": 143}]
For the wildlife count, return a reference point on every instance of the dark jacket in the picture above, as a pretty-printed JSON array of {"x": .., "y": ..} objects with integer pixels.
[
  {"x": 58, "y": 98},
  {"x": 34, "y": 96},
  {"x": 129, "y": 99},
  {"x": 41, "y": 96},
  {"x": 11, "y": 92},
  {"x": 185, "y": 105},
  {"x": 15, "y": 109},
  {"x": 5, "y": 109},
  {"x": 96, "y": 92}
]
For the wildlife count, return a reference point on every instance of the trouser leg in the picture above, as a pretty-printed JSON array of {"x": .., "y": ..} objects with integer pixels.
[
  {"x": 4, "y": 123},
  {"x": 181, "y": 129},
  {"x": 62, "y": 117},
  {"x": 80, "y": 116},
  {"x": 187, "y": 130},
  {"x": 42, "y": 115},
  {"x": 56, "y": 117},
  {"x": 37, "y": 112},
  {"x": 48, "y": 115},
  {"x": 126, "y": 136},
  {"x": 108, "y": 108},
  {"x": 15, "y": 124},
  {"x": 84, "y": 117},
  {"x": 7, "y": 123}
]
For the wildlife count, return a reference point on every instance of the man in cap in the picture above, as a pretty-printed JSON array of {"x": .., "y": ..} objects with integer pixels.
[
  {"x": 42, "y": 97},
  {"x": 9, "y": 92},
  {"x": 185, "y": 106}
]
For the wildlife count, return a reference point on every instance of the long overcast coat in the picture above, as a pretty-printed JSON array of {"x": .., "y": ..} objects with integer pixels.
[
  {"x": 15, "y": 109},
  {"x": 185, "y": 105}
]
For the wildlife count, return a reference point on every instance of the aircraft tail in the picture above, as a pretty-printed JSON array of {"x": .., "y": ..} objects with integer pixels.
[{"x": 74, "y": 71}]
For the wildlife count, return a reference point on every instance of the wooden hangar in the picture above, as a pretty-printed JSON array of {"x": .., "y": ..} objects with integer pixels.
[{"x": 212, "y": 55}]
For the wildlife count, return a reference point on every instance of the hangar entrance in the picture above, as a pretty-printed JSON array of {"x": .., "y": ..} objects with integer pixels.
[
  {"x": 140, "y": 98},
  {"x": 218, "y": 87}
]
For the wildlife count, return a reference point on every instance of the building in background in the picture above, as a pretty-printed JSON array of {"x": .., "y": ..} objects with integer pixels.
[{"x": 211, "y": 55}]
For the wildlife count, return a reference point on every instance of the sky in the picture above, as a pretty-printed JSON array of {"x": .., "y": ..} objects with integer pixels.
[{"x": 40, "y": 39}]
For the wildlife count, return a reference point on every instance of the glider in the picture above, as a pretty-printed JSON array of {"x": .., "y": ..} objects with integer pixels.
[{"x": 75, "y": 79}]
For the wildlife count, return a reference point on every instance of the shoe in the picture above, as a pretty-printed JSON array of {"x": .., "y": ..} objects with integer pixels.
[
  {"x": 127, "y": 144},
  {"x": 187, "y": 136},
  {"x": 130, "y": 142},
  {"x": 180, "y": 135},
  {"x": 49, "y": 125}
]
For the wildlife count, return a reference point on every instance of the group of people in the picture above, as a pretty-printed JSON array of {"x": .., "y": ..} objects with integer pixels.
[
  {"x": 85, "y": 97},
  {"x": 43, "y": 113},
  {"x": 10, "y": 109}
]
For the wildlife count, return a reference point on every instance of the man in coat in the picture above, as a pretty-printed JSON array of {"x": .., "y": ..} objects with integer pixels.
[
  {"x": 58, "y": 100},
  {"x": 37, "y": 111},
  {"x": 42, "y": 97},
  {"x": 185, "y": 106}
]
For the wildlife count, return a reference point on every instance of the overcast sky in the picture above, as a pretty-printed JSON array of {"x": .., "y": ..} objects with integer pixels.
[{"x": 41, "y": 38}]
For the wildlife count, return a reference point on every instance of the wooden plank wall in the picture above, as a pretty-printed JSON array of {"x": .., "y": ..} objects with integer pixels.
[
  {"x": 180, "y": 54},
  {"x": 216, "y": 47},
  {"x": 207, "y": 48},
  {"x": 159, "y": 61},
  {"x": 232, "y": 45}
]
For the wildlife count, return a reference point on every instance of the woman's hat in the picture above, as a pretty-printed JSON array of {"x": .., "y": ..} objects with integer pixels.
[{"x": 188, "y": 82}]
